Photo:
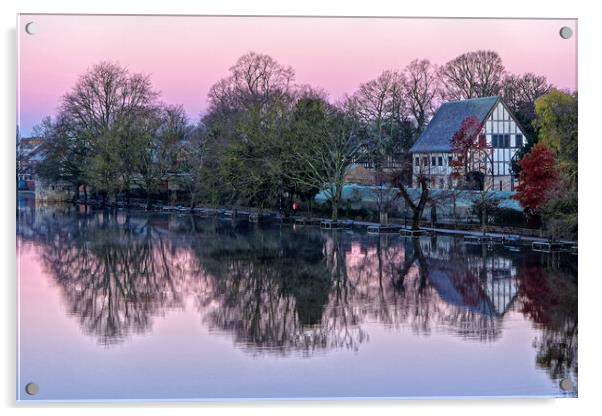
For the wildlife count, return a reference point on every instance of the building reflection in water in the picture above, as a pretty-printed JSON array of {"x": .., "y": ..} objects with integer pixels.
[{"x": 283, "y": 290}]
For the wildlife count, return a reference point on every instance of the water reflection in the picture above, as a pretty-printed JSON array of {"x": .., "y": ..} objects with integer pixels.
[
  {"x": 549, "y": 298},
  {"x": 285, "y": 290}
]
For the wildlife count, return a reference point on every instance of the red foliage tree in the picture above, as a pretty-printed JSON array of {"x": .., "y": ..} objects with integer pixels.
[
  {"x": 538, "y": 177},
  {"x": 468, "y": 146},
  {"x": 538, "y": 297}
]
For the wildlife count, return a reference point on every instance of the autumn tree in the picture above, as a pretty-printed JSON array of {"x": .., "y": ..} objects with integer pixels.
[
  {"x": 557, "y": 122},
  {"x": 538, "y": 176},
  {"x": 472, "y": 75},
  {"x": 469, "y": 150},
  {"x": 538, "y": 179},
  {"x": 472, "y": 161}
]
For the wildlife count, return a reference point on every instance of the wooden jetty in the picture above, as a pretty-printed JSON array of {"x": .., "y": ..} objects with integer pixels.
[
  {"x": 234, "y": 214},
  {"x": 255, "y": 218},
  {"x": 384, "y": 229},
  {"x": 413, "y": 233},
  {"x": 512, "y": 239},
  {"x": 551, "y": 246},
  {"x": 483, "y": 239},
  {"x": 512, "y": 242},
  {"x": 205, "y": 212},
  {"x": 308, "y": 221},
  {"x": 335, "y": 225}
]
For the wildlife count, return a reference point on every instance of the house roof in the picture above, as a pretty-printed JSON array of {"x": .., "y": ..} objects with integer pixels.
[{"x": 447, "y": 120}]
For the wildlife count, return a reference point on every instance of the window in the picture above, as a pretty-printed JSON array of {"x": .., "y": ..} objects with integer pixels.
[
  {"x": 433, "y": 161},
  {"x": 417, "y": 161},
  {"x": 425, "y": 161},
  {"x": 440, "y": 161},
  {"x": 501, "y": 141},
  {"x": 519, "y": 140},
  {"x": 449, "y": 160}
]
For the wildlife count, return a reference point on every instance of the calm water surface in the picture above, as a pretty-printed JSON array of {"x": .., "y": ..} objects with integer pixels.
[{"x": 135, "y": 306}]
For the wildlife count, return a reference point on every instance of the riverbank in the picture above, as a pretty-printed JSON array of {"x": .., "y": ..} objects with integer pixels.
[{"x": 395, "y": 226}]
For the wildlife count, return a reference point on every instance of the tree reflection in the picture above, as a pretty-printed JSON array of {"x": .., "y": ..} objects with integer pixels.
[
  {"x": 115, "y": 273},
  {"x": 549, "y": 298},
  {"x": 269, "y": 288},
  {"x": 278, "y": 290}
]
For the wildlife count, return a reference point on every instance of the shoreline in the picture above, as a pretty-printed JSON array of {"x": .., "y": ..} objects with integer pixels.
[{"x": 494, "y": 234}]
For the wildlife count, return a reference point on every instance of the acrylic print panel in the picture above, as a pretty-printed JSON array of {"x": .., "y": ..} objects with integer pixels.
[{"x": 218, "y": 208}]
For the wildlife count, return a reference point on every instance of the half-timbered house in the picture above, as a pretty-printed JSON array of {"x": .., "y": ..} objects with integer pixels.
[{"x": 432, "y": 154}]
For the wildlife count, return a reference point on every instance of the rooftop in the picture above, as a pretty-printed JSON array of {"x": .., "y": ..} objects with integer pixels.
[{"x": 447, "y": 120}]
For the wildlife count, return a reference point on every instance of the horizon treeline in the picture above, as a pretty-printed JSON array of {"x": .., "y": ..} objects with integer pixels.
[{"x": 264, "y": 140}]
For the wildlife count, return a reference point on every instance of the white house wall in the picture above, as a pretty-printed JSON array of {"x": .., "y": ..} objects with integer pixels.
[
  {"x": 500, "y": 123},
  {"x": 502, "y": 134}
]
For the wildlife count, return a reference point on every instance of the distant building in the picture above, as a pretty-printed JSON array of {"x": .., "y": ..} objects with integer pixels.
[
  {"x": 432, "y": 153},
  {"x": 29, "y": 155}
]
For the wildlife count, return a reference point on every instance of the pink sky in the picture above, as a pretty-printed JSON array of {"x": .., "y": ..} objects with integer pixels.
[{"x": 185, "y": 55}]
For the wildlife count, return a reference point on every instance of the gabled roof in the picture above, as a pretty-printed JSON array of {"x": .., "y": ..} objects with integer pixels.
[{"x": 447, "y": 120}]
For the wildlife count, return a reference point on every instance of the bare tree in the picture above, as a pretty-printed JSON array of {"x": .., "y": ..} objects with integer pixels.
[
  {"x": 379, "y": 107},
  {"x": 521, "y": 91},
  {"x": 472, "y": 75},
  {"x": 104, "y": 102},
  {"x": 261, "y": 76},
  {"x": 421, "y": 89},
  {"x": 104, "y": 95}
]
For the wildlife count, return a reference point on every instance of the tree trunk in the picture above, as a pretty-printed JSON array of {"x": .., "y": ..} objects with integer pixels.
[
  {"x": 417, "y": 209},
  {"x": 384, "y": 218},
  {"x": 484, "y": 217},
  {"x": 335, "y": 210},
  {"x": 416, "y": 220},
  {"x": 85, "y": 194},
  {"x": 433, "y": 215},
  {"x": 336, "y": 200},
  {"x": 454, "y": 215},
  {"x": 76, "y": 194}
]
